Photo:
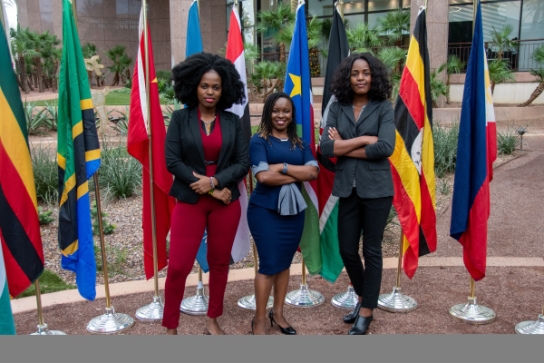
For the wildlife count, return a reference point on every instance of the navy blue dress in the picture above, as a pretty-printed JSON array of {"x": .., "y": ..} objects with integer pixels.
[{"x": 276, "y": 236}]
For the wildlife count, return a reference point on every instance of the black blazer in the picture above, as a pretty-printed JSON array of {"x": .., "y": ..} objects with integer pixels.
[
  {"x": 373, "y": 175},
  {"x": 185, "y": 154}
]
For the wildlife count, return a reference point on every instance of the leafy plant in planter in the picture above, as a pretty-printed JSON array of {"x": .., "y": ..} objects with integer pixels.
[{"x": 538, "y": 57}]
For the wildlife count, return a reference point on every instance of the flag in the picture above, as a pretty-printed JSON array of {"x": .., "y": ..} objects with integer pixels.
[
  {"x": 235, "y": 53},
  {"x": 476, "y": 151},
  {"x": 78, "y": 159},
  {"x": 7, "y": 325},
  {"x": 194, "y": 37},
  {"x": 328, "y": 204},
  {"x": 194, "y": 45},
  {"x": 138, "y": 146},
  {"x": 412, "y": 160},
  {"x": 298, "y": 87},
  {"x": 20, "y": 237}
]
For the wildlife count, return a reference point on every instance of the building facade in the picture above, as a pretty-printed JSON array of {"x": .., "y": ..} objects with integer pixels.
[{"x": 107, "y": 23}]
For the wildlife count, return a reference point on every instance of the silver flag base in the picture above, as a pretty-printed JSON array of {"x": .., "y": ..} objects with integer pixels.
[
  {"x": 151, "y": 312},
  {"x": 473, "y": 313},
  {"x": 304, "y": 297},
  {"x": 195, "y": 305},
  {"x": 110, "y": 322},
  {"x": 396, "y": 302},
  {"x": 346, "y": 300},
  {"x": 531, "y": 327},
  {"x": 42, "y": 330},
  {"x": 249, "y": 302}
]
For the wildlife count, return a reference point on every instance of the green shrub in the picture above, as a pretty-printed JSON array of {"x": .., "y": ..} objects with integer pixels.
[
  {"x": 46, "y": 179},
  {"x": 108, "y": 228},
  {"x": 36, "y": 118},
  {"x": 507, "y": 141},
  {"x": 445, "y": 148},
  {"x": 45, "y": 216},
  {"x": 120, "y": 174}
]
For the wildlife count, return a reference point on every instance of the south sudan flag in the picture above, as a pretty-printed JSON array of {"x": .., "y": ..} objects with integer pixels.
[
  {"x": 78, "y": 159},
  {"x": 413, "y": 157},
  {"x": 19, "y": 224}
]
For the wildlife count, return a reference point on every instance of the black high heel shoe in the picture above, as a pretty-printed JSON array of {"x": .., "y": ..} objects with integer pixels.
[
  {"x": 350, "y": 318},
  {"x": 361, "y": 325},
  {"x": 287, "y": 331},
  {"x": 252, "y": 325}
]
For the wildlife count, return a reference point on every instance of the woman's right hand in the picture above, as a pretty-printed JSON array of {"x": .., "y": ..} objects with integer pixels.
[{"x": 223, "y": 195}]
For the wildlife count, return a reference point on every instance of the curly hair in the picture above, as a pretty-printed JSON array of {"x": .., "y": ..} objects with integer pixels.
[
  {"x": 265, "y": 127},
  {"x": 380, "y": 88},
  {"x": 188, "y": 73}
]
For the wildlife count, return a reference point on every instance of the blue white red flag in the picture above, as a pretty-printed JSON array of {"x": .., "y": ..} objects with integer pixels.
[{"x": 476, "y": 151}]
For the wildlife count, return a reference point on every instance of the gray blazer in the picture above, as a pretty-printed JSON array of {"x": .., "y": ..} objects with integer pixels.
[{"x": 373, "y": 175}]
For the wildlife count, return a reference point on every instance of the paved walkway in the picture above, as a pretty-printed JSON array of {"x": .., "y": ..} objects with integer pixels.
[{"x": 513, "y": 287}]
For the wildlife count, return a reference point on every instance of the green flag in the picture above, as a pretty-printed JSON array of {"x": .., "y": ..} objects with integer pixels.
[{"x": 78, "y": 159}]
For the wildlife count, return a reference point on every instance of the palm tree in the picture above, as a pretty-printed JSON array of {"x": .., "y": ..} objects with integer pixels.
[
  {"x": 538, "y": 57},
  {"x": 121, "y": 63},
  {"x": 453, "y": 65},
  {"x": 438, "y": 88},
  {"x": 393, "y": 58},
  {"x": 395, "y": 25},
  {"x": 362, "y": 38},
  {"x": 501, "y": 41},
  {"x": 499, "y": 72},
  {"x": 273, "y": 21},
  {"x": 20, "y": 47}
]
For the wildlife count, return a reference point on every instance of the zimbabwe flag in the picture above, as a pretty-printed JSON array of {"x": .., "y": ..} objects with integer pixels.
[
  {"x": 413, "y": 158},
  {"x": 19, "y": 224},
  {"x": 78, "y": 159}
]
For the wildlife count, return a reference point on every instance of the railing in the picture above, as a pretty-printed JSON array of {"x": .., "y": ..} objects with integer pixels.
[{"x": 519, "y": 58}]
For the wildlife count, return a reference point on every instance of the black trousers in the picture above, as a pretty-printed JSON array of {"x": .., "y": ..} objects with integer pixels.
[{"x": 370, "y": 216}]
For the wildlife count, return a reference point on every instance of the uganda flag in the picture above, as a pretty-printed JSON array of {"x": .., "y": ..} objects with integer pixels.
[
  {"x": 19, "y": 224},
  {"x": 78, "y": 159},
  {"x": 413, "y": 157}
]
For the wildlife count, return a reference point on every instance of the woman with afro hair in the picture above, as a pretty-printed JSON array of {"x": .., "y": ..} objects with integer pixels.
[
  {"x": 207, "y": 153},
  {"x": 360, "y": 133}
]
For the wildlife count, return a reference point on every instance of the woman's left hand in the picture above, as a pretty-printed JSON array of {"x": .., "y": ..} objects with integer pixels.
[
  {"x": 333, "y": 134},
  {"x": 202, "y": 185}
]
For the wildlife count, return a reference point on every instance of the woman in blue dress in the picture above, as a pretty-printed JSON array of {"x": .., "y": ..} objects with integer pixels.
[{"x": 280, "y": 161}]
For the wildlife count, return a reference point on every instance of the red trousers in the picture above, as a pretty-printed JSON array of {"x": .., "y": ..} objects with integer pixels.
[{"x": 188, "y": 224}]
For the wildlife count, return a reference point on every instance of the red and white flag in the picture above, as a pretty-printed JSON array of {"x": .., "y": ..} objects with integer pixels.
[
  {"x": 235, "y": 53},
  {"x": 138, "y": 146}
]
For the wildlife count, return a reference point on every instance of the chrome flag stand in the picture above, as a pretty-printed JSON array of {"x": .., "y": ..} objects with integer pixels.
[
  {"x": 42, "y": 327},
  {"x": 346, "y": 300},
  {"x": 249, "y": 302},
  {"x": 197, "y": 304},
  {"x": 471, "y": 312},
  {"x": 396, "y": 302},
  {"x": 304, "y": 297},
  {"x": 532, "y": 327}
]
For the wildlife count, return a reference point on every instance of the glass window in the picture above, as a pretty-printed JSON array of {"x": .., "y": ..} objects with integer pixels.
[
  {"x": 532, "y": 20},
  {"x": 376, "y": 5},
  {"x": 354, "y": 7},
  {"x": 319, "y": 8}
]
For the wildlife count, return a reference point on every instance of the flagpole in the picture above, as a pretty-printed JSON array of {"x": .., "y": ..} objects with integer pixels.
[
  {"x": 396, "y": 301},
  {"x": 154, "y": 310},
  {"x": 110, "y": 322}
]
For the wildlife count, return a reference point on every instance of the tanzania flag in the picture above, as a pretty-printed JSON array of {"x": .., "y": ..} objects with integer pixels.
[
  {"x": 328, "y": 203},
  {"x": 139, "y": 131},
  {"x": 78, "y": 159},
  {"x": 298, "y": 86},
  {"x": 476, "y": 151},
  {"x": 413, "y": 158},
  {"x": 7, "y": 326},
  {"x": 20, "y": 237}
]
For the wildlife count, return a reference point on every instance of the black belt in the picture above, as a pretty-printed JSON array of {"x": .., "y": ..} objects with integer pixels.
[{"x": 210, "y": 162}]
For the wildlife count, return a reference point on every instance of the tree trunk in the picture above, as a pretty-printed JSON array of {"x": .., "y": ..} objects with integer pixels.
[
  {"x": 29, "y": 83},
  {"x": 90, "y": 76},
  {"x": 492, "y": 87},
  {"x": 448, "y": 85},
  {"x": 537, "y": 92},
  {"x": 115, "y": 79},
  {"x": 24, "y": 76},
  {"x": 282, "y": 52}
]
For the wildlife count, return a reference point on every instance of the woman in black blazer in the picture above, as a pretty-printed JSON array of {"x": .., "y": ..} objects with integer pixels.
[
  {"x": 360, "y": 132},
  {"x": 207, "y": 153}
]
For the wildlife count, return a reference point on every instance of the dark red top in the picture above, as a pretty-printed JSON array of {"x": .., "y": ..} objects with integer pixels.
[{"x": 212, "y": 145}]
